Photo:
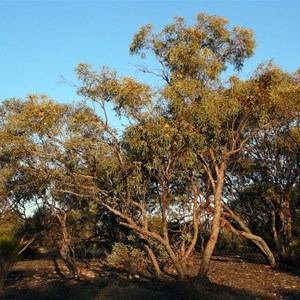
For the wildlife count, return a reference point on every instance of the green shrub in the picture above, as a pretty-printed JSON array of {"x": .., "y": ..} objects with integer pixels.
[
  {"x": 9, "y": 248},
  {"x": 231, "y": 242},
  {"x": 128, "y": 257},
  {"x": 160, "y": 253}
]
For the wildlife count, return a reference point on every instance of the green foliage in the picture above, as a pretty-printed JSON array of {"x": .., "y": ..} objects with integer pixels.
[
  {"x": 11, "y": 223},
  {"x": 128, "y": 96},
  {"x": 200, "y": 51},
  {"x": 171, "y": 159},
  {"x": 9, "y": 248},
  {"x": 231, "y": 242},
  {"x": 128, "y": 257}
]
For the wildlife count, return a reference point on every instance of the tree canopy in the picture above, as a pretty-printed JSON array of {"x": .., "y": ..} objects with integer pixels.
[{"x": 181, "y": 169}]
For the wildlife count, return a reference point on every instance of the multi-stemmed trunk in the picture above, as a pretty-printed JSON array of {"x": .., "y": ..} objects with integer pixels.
[
  {"x": 246, "y": 233},
  {"x": 65, "y": 247},
  {"x": 282, "y": 226},
  {"x": 210, "y": 246}
]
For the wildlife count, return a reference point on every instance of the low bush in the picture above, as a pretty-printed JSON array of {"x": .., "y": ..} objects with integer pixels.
[
  {"x": 128, "y": 257},
  {"x": 231, "y": 242},
  {"x": 9, "y": 248}
]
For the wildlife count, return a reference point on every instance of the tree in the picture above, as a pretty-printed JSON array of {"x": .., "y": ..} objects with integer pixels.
[
  {"x": 167, "y": 170},
  {"x": 46, "y": 142},
  {"x": 199, "y": 116},
  {"x": 222, "y": 117},
  {"x": 138, "y": 182},
  {"x": 273, "y": 164}
]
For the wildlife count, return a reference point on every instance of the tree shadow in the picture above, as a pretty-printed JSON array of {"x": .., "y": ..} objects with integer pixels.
[
  {"x": 288, "y": 268},
  {"x": 290, "y": 294},
  {"x": 108, "y": 281},
  {"x": 55, "y": 290},
  {"x": 241, "y": 257},
  {"x": 110, "y": 288},
  {"x": 212, "y": 291},
  {"x": 15, "y": 275}
]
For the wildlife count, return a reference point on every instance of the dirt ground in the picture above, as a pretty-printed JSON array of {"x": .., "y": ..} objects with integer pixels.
[{"x": 232, "y": 277}]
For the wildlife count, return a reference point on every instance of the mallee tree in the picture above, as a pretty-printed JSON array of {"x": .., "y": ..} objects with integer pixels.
[{"x": 171, "y": 162}]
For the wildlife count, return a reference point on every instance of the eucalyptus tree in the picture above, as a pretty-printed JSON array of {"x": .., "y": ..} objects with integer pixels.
[
  {"x": 7, "y": 170},
  {"x": 215, "y": 119},
  {"x": 46, "y": 143},
  {"x": 221, "y": 117},
  {"x": 126, "y": 189},
  {"x": 172, "y": 144},
  {"x": 273, "y": 165}
]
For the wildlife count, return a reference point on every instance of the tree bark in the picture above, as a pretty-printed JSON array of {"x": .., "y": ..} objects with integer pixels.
[
  {"x": 216, "y": 222},
  {"x": 282, "y": 226},
  {"x": 154, "y": 261},
  {"x": 246, "y": 232},
  {"x": 257, "y": 240},
  {"x": 177, "y": 263},
  {"x": 288, "y": 238},
  {"x": 262, "y": 245},
  {"x": 66, "y": 250},
  {"x": 192, "y": 245},
  {"x": 274, "y": 229}
]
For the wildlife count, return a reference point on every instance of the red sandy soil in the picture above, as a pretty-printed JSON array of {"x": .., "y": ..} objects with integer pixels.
[{"x": 232, "y": 277}]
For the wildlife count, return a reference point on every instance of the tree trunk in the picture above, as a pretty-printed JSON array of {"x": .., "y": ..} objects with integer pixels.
[
  {"x": 66, "y": 249},
  {"x": 186, "y": 252},
  {"x": 154, "y": 261},
  {"x": 176, "y": 262},
  {"x": 210, "y": 246},
  {"x": 262, "y": 245},
  {"x": 282, "y": 226},
  {"x": 246, "y": 232},
  {"x": 275, "y": 232},
  {"x": 288, "y": 238}
]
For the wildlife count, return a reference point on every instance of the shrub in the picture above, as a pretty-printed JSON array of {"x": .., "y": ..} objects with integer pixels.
[
  {"x": 9, "y": 248},
  {"x": 129, "y": 258},
  {"x": 231, "y": 242}
]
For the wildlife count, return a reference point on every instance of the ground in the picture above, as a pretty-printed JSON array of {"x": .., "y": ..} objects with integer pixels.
[{"x": 232, "y": 277}]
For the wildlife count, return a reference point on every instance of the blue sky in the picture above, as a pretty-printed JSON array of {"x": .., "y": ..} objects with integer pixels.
[{"x": 42, "y": 40}]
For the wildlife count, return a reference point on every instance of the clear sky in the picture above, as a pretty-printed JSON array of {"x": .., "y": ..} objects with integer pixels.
[{"x": 42, "y": 40}]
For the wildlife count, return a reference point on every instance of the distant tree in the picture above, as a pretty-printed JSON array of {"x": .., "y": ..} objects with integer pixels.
[
  {"x": 46, "y": 142},
  {"x": 273, "y": 165}
]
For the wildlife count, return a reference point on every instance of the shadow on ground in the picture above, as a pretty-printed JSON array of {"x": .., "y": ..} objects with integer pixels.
[
  {"x": 289, "y": 269},
  {"x": 112, "y": 289},
  {"x": 290, "y": 294},
  {"x": 234, "y": 277}
]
